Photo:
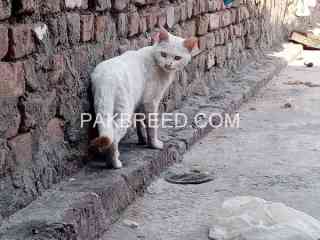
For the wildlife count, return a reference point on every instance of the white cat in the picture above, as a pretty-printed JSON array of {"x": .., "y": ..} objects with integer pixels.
[{"x": 136, "y": 79}]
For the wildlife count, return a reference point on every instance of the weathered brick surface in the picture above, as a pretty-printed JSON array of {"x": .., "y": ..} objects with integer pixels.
[
  {"x": 5, "y": 9},
  {"x": 133, "y": 23},
  {"x": 52, "y": 6},
  {"x": 87, "y": 27},
  {"x": 101, "y": 5},
  {"x": 21, "y": 41},
  {"x": 26, "y": 6},
  {"x": 11, "y": 79},
  {"x": 101, "y": 28},
  {"x": 72, "y": 4},
  {"x": 4, "y": 41},
  {"x": 22, "y": 149},
  {"x": 48, "y": 49},
  {"x": 73, "y": 26}
]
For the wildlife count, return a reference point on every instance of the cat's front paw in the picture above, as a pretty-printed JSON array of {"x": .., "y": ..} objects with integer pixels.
[
  {"x": 157, "y": 144},
  {"x": 117, "y": 164}
]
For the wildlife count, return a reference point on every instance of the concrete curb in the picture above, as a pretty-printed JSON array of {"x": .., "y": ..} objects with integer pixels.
[{"x": 86, "y": 205}]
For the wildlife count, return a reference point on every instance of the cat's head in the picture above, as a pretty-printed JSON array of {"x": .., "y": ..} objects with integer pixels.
[{"x": 173, "y": 53}]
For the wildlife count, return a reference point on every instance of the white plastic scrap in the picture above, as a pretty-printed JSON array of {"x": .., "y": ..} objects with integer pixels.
[{"x": 251, "y": 218}]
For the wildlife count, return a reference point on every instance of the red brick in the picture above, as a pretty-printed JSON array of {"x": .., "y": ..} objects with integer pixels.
[
  {"x": 196, "y": 8},
  {"x": 4, "y": 41},
  {"x": 120, "y": 5},
  {"x": 58, "y": 29},
  {"x": 211, "y": 60},
  {"x": 73, "y": 26},
  {"x": 143, "y": 24},
  {"x": 214, "y": 22},
  {"x": 202, "y": 24},
  {"x": 211, "y": 40},
  {"x": 237, "y": 29},
  {"x": 203, "y": 6},
  {"x": 72, "y": 4},
  {"x": 162, "y": 18},
  {"x": 133, "y": 22},
  {"x": 5, "y": 9},
  {"x": 57, "y": 67},
  {"x": 151, "y": 18},
  {"x": 122, "y": 24},
  {"x": 242, "y": 14},
  {"x": 32, "y": 83},
  {"x": 170, "y": 16},
  {"x": 21, "y": 147},
  {"x": 12, "y": 80},
  {"x": 183, "y": 11},
  {"x": 26, "y": 6},
  {"x": 55, "y": 129},
  {"x": 52, "y": 6},
  {"x": 14, "y": 128},
  {"x": 202, "y": 43},
  {"x": 177, "y": 13},
  {"x": 87, "y": 27},
  {"x": 21, "y": 41},
  {"x": 100, "y": 28},
  {"x": 226, "y": 18},
  {"x": 189, "y": 8},
  {"x": 101, "y": 5}
]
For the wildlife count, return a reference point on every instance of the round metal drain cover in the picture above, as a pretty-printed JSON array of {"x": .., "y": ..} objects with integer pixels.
[{"x": 189, "y": 178}]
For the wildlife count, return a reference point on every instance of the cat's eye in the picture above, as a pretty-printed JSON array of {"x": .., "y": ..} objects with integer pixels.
[
  {"x": 177, "y": 58},
  {"x": 164, "y": 55}
]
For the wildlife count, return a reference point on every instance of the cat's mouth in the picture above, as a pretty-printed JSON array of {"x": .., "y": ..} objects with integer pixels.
[{"x": 169, "y": 69}]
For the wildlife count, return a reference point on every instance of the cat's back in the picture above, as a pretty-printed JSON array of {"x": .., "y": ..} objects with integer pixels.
[{"x": 131, "y": 63}]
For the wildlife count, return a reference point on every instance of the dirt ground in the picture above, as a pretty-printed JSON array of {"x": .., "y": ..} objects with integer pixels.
[{"x": 275, "y": 155}]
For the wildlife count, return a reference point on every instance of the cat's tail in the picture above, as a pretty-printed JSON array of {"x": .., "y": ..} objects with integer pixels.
[{"x": 100, "y": 144}]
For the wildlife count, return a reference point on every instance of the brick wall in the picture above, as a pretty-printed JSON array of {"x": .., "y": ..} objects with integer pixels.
[{"x": 49, "y": 47}]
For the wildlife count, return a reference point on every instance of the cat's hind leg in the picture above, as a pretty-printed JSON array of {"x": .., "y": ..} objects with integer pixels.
[
  {"x": 122, "y": 121},
  {"x": 106, "y": 143}
]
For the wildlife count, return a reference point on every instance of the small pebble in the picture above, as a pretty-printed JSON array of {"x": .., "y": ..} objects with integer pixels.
[
  {"x": 34, "y": 231},
  {"x": 309, "y": 64},
  {"x": 130, "y": 223},
  {"x": 287, "y": 105}
]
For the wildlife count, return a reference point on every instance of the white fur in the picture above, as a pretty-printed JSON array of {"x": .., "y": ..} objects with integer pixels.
[{"x": 136, "y": 79}]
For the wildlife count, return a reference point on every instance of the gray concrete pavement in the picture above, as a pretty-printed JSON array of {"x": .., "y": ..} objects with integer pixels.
[{"x": 275, "y": 155}]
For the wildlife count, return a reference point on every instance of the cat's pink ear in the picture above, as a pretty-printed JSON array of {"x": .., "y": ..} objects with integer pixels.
[
  {"x": 191, "y": 44},
  {"x": 160, "y": 36}
]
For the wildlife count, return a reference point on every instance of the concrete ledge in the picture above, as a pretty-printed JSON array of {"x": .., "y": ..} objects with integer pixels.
[
  {"x": 84, "y": 206},
  {"x": 58, "y": 215}
]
